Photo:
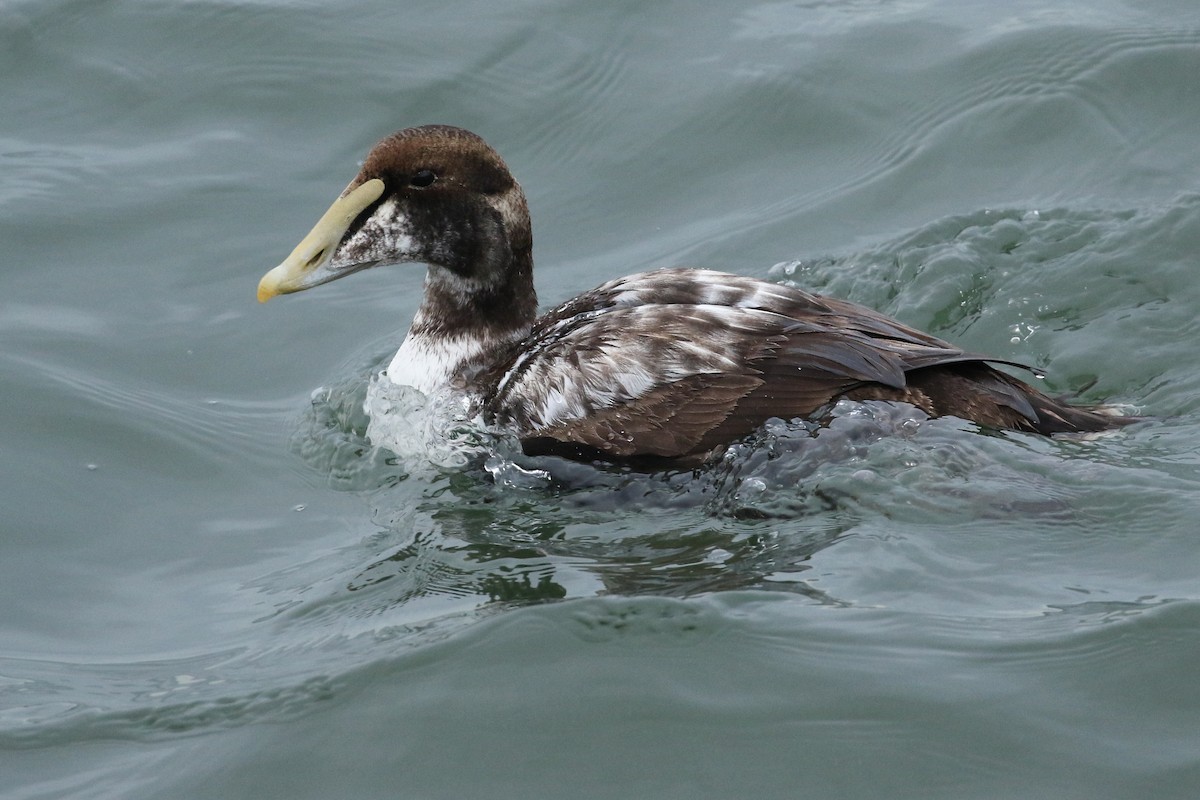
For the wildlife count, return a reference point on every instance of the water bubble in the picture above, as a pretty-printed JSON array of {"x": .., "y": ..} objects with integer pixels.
[
  {"x": 718, "y": 555},
  {"x": 751, "y": 487}
]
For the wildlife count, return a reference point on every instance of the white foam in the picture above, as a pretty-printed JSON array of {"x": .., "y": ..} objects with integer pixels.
[{"x": 440, "y": 428}]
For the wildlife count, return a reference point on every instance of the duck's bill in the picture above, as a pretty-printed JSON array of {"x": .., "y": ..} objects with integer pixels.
[{"x": 309, "y": 263}]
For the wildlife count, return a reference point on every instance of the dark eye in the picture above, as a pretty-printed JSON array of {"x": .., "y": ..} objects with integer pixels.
[{"x": 422, "y": 178}]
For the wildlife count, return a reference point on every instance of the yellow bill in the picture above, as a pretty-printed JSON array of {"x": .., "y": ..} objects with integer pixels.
[{"x": 306, "y": 266}]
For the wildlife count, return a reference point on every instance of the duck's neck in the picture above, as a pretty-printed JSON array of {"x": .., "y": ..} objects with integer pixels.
[{"x": 462, "y": 323}]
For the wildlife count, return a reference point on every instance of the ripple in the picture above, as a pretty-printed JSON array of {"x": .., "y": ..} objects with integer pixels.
[
  {"x": 1052, "y": 288},
  {"x": 588, "y": 78},
  {"x": 212, "y": 429},
  {"x": 154, "y": 722},
  {"x": 1065, "y": 66},
  {"x": 1029, "y": 115}
]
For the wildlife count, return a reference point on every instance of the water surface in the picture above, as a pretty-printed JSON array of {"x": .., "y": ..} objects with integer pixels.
[{"x": 214, "y": 586}]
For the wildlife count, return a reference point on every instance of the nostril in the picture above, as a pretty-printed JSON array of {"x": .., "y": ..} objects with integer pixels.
[{"x": 316, "y": 259}]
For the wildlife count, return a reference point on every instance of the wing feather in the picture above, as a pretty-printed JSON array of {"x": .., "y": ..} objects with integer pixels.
[{"x": 675, "y": 362}]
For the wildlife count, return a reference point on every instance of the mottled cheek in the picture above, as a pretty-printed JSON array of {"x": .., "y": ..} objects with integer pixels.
[{"x": 384, "y": 238}]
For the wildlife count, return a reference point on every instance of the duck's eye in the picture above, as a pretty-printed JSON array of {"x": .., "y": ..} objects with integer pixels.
[{"x": 422, "y": 178}]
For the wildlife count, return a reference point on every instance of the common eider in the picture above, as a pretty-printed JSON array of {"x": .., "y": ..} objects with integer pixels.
[{"x": 658, "y": 366}]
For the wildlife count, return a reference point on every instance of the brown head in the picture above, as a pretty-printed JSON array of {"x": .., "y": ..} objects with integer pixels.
[{"x": 436, "y": 195}]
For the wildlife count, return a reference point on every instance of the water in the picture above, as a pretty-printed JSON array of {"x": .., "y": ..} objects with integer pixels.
[{"x": 213, "y": 586}]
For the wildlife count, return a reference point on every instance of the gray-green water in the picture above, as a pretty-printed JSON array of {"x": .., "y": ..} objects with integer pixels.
[{"x": 211, "y": 586}]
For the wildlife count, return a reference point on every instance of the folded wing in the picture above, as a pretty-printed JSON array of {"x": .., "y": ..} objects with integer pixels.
[{"x": 674, "y": 363}]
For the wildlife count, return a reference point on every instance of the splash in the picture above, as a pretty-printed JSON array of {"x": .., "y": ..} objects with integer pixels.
[{"x": 441, "y": 430}]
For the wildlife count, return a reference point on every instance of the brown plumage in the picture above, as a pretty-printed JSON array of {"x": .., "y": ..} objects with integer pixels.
[{"x": 660, "y": 366}]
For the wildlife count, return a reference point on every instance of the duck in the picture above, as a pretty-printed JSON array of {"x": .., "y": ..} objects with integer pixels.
[{"x": 658, "y": 367}]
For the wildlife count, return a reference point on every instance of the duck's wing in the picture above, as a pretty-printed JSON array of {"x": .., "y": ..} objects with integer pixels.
[{"x": 674, "y": 363}]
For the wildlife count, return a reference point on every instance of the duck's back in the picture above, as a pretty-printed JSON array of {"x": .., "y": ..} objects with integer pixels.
[{"x": 673, "y": 363}]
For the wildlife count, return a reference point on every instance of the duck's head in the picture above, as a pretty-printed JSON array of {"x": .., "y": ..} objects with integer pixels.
[{"x": 437, "y": 195}]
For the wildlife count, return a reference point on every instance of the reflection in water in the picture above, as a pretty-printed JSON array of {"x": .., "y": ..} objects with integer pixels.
[
  {"x": 496, "y": 572},
  {"x": 507, "y": 528}
]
